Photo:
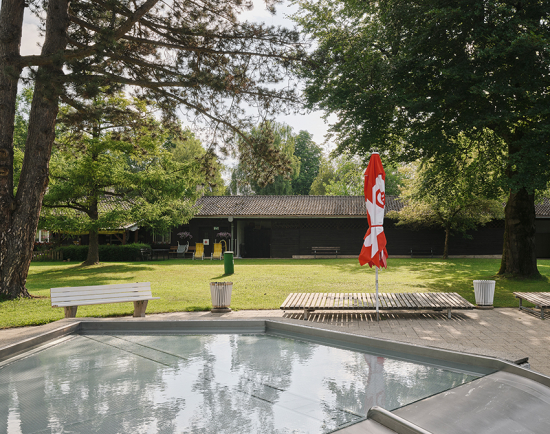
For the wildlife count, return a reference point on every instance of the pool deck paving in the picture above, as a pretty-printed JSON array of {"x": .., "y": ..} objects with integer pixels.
[{"x": 504, "y": 333}]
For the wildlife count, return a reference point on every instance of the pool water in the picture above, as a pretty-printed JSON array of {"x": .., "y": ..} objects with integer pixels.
[{"x": 205, "y": 384}]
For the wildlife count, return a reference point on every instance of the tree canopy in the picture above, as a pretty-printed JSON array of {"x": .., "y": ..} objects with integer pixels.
[
  {"x": 187, "y": 148},
  {"x": 343, "y": 175},
  {"x": 408, "y": 78},
  {"x": 249, "y": 177},
  {"x": 310, "y": 155},
  {"x": 109, "y": 169},
  {"x": 194, "y": 56},
  {"x": 453, "y": 195}
]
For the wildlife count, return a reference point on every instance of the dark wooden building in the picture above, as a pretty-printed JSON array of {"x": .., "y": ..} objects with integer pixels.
[{"x": 289, "y": 226}]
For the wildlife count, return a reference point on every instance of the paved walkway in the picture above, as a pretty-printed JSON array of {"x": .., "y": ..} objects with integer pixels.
[{"x": 503, "y": 333}]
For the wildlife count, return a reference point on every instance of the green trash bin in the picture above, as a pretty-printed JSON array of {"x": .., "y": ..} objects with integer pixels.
[{"x": 228, "y": 263}]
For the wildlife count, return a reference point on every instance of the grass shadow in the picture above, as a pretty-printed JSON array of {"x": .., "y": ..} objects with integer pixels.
[{"x": 79, "y": 275}]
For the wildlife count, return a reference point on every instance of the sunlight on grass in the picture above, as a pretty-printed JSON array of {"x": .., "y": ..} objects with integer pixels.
[{"x": 183, "y": 285}]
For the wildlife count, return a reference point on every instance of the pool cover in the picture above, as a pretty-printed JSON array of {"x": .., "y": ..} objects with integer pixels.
[{"x": 205, "y": 384}]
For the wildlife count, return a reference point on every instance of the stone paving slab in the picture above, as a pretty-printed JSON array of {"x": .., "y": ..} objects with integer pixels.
[{"x": 503, "y": 333}]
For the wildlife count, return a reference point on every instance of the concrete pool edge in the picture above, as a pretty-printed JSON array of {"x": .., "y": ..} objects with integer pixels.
[
  {"x": 456, "y": 359},
  {"x": 416, "y": 352},
  {"x": 33, "y": 342}
]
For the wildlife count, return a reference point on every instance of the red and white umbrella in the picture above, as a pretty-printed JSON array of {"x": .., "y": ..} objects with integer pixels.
[{"x": 374, "y": 250}]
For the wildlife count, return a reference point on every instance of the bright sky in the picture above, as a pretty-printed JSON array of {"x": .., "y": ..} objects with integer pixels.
[{"x": 311, "y": 122}]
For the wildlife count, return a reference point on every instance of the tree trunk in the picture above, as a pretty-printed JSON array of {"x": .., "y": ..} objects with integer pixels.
[
  {"x": 19, "y": 223},
  {"x": 93, "y": 243},
  {"x": 93, "y": 248},
  {"x": 446, "y": 247},
  {"x": 11, "y": 24},
  {"x": 518, "y": 256}
]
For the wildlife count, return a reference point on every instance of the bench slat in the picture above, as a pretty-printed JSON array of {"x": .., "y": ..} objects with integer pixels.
[
  {"x": 398, "y": 301},
  {"x": 367, "y": 301},
  {"x": 371, "y": 301},
  {"x": 534, "y": 299},
  {"x": 404, "y": 301},
  {"x": 300, "y": 301},
  {"x": 446, "y": 301},
  {"x": 104, "y": 288},
  {"x": 323, "y": 300},
  {"x": 287, "y": 300},
  {"x": 311, "y": 299},
  {"x": 82, "y": 298},
  {"x": 111, "y": 300},
  {"x": 418, "y": 301},
  {"x": 541, "y": 299},
  {"x": 457, "y": 302},
  {"x": 295, "y": 300},
  {"x": 394, "y": 301},
  {"x": 410, "y": 300}
]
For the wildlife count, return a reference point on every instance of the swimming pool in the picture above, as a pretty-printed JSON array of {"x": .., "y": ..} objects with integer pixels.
[
  {"x": 222, "y": 383},
  {"x": 217, "y": 378}
]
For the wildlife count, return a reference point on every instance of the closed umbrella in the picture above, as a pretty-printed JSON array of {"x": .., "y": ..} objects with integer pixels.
[{"x": 374, "y": 250}]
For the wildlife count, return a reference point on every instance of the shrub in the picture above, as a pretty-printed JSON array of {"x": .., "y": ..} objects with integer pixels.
[
  {"x": 74, "y": 253},
  {"x": 114, "y": 253}
]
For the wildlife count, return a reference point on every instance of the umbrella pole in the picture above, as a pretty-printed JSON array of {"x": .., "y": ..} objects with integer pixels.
[{"x": 377, "y": 316}]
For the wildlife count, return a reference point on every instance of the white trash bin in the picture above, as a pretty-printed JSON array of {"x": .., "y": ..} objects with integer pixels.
[
  {"x": 221, "y": 296},
  {"x": 484, "y": 291}
]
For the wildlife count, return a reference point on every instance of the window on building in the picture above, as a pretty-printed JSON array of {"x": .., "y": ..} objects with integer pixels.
[
  {"x": 42, "y": 236},
  {"x": 165, "y": 237}
]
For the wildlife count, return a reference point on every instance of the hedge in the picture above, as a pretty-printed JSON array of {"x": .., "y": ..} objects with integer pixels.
[{"x": 114, "y": 253}]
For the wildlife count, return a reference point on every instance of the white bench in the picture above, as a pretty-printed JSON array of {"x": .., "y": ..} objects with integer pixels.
[{"x": 72, "y": 297}]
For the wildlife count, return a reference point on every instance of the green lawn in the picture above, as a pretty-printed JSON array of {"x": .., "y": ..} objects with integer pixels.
[{"x": 183, "y": 285}]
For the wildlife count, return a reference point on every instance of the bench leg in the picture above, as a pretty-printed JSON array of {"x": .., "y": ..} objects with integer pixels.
[
  {"x": 139, "y": 308},
  {"x": 542, "y": 313},
  {"x": 70, "y": 311},
  {"x": 306, "y": 313},
  {"x": 449, "y": 313}
]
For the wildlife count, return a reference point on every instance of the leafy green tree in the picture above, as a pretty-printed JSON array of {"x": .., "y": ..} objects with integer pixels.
[
  {"x": 110, "y": 169},
  {"x": 325, "y": 174},
  {"x": 344, "y": 176},
  {"x": 195, "y": 58},
  {"x": 408, "y": 77},
  {"x": 454, "y": 195},
  {"x": 348, "y": 177},
  {"x": 309, "y": 154},
  {"x": 264, "y": 178},
  {"x": 237, "y": 183},
  {"x": 188, "y": 148}
]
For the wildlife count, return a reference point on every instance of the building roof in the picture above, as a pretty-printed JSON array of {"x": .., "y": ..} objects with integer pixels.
[
  {"x": 287, "y": 206},
  {"x": 304, "y": 206}
]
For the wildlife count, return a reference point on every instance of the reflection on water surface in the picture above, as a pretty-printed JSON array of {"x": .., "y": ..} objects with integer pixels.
[{"x": 205, "y": 384}]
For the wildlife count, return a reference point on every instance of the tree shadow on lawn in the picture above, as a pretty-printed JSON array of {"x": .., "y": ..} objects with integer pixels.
[
  {"x": 455, "y": 275},
  {"x": 79, "y": 275}
]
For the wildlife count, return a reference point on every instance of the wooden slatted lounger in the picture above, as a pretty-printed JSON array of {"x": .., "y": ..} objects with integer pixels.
[
  {"x": 72, "y": 297},
  {"x": 309, "y": 302},
  {"x": 539, "y": 299}
]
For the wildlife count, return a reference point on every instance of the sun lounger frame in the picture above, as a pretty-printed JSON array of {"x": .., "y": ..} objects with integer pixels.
[{"x": 540, "y": 299}]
